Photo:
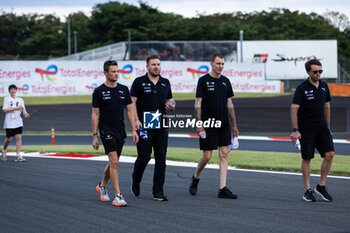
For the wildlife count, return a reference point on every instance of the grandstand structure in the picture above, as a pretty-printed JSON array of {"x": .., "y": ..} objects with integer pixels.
[
  {"x": 167, "y": 50},
  {"x": 115, "y": 51}
]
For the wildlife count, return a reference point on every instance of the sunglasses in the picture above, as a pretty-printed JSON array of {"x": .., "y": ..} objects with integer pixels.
[{"x": 316, "y": 71}]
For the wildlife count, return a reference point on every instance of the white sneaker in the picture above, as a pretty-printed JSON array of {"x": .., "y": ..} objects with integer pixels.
[
  {"x": 119, "y": 200},
  {"x": 20, "y": 159},
  {"x": 3, "y": 156},
  {"x": 103, "y": 192}
]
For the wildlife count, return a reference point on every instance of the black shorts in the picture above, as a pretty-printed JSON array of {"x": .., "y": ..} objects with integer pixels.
[
  {"x": 216, "y": 137},
  {"x": 319, "y": 138},
  {"x": 113, "y": 140},
  {"x": 13, "y": 132}
]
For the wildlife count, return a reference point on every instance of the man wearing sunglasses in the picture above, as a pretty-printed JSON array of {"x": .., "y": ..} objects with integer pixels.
[
  {"x": 310, "y": 116},
  {"x": 152, "y": 94}
]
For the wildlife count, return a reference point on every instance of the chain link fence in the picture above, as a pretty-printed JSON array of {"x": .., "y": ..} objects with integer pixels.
[{"x": 343, "y": 71}]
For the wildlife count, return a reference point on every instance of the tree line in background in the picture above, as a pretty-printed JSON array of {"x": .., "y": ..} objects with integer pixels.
[{"x": 46, "y": 35}]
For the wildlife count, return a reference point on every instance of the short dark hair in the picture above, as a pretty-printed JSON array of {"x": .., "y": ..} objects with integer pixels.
[
  {"x": 215, "y": 56},
  {"x": 12, "y": 86},
  {"x": 312, "y": 62},
  {"x": 151, "y": 57},
  {"x": 109, "y": 63}
]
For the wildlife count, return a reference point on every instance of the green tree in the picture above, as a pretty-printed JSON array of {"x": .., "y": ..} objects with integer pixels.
[
  {"x": 12, "y": 29},
  {"x": 338, "y": 20},
  {"x": 110, "y": 22},
  {"x": 44, "y": 36}
]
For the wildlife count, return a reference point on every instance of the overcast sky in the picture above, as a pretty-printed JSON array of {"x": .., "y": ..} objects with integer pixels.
[{"x": 187, "y": 8}]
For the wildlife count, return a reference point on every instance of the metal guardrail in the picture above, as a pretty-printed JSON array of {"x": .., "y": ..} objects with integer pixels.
[{"x": 344, "y": 76}]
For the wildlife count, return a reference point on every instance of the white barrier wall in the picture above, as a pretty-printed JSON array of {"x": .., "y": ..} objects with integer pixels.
[{"x": 58, "y": 78}]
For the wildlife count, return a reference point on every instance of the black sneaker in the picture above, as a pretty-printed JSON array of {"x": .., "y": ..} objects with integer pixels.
[
  {"x": 135, "y": 188},
  {"x": 160, "y": 197},
  {"x": 309, "y": 196},
  {"x": 226, "y": 193},
  {"x": 322, "y": 191},
  {"x": 193, "y": 186}
]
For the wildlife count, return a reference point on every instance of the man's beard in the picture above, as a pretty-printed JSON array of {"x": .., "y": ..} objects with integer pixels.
[
  {"x": 154, "y": 73},
  {"x": 315, "y": 80},
  {"x": 112, "y": 80}
]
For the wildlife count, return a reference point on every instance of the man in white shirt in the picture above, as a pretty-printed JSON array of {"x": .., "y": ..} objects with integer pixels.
[{"x": 13, "y": 107}]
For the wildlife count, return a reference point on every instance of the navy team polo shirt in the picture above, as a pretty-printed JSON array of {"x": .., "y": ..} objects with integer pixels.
[
  {"x": 150, "y": 97},
  {"x": 311, "y": 101},
  {"x": 214, "y": 93},
  {"x": 111, "y": 103}
]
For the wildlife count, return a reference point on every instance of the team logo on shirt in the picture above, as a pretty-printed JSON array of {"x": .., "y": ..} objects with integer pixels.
[
  {"x": 146, "y": 87},
  {"x": 122, "y": 97},
  {"x": 151, "y": 120},
  {"x": 210, "y": 86},
  {"x": 309, "y": 94},
  {"x": 106, "y": 95}
]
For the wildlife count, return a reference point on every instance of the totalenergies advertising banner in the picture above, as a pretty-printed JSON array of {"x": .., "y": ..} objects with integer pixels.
[{"x": 59, "y": 78}]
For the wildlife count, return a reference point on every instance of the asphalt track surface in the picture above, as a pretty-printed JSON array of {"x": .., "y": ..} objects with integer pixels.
[{"x": 58, "y": 195}]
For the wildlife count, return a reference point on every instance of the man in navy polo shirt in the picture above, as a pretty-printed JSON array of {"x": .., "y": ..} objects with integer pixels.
[
  {"x": 310, "y": 116},
  {"x": 108, "y": 103},
  {"x": 213, "y": 101},
  {"x": 152, "y": 95}
]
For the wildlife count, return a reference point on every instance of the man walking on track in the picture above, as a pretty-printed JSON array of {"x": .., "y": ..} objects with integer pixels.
[
  {"x": 311, "y": 117},
  {"x": 108, "y": 103},
  {"x": 213, "y": 101},
  {"x": 153, "y": 97}
]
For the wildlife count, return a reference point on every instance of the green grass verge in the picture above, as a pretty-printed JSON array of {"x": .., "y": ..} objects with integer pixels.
[
  {"x": 243, "y": 159},
  {"x": 86, "y": 99}
]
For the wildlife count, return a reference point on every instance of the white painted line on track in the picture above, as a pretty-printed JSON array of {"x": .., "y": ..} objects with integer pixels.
[
  {"x": 241, "y": 137},
  {"x": 255, "y": 138},
  {"x": 128, "y": 159}
]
